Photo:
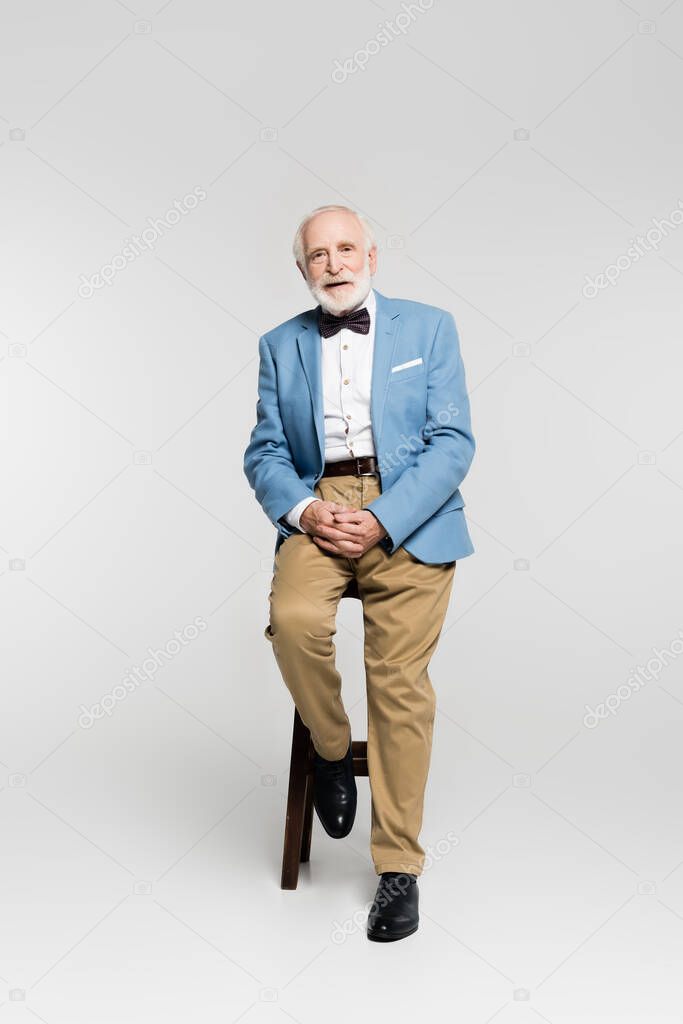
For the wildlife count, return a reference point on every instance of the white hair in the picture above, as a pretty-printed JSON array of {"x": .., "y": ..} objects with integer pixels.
[{"x": 298, "y": 244}]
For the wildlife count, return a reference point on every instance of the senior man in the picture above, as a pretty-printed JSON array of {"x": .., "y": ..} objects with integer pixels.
[{"x": 362, "y": 440}]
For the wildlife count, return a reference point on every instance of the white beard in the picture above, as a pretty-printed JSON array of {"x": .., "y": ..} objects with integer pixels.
[{"x": 349, "y": 297}]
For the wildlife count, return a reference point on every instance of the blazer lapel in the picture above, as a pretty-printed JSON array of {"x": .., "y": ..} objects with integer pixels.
[
  {"x": 308, "y": 341},
  {"x": 387, "y": 326}
]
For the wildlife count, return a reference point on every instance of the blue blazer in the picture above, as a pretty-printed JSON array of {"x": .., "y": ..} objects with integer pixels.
[{"x": 420, "y": 423}]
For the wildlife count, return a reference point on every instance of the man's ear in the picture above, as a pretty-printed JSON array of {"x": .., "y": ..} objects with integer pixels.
[
  {"x": 303, "y": 272},
  {"x": 372, "y": 260}
]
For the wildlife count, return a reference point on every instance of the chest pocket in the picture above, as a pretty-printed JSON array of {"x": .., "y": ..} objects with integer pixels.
[{"x": 408, "y": 369}]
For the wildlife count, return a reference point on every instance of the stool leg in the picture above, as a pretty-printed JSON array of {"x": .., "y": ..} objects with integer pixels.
[
  {"x": 308, "y": 820},
  {"x": 297, "y": 830}
]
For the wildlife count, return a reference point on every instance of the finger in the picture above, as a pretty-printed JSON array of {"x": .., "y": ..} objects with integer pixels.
[
  {"x": 351, "y": 550},
  {"x": 346, "y": 529},
  {"x": 328, "y": 546},
  {"x": 331, "y": 542},
  {"x": 333, "y": 532},
  {"x": 327, "y": 514}
]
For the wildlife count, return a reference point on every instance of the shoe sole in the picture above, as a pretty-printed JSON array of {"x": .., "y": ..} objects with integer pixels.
[{"x": 391, "y": 938}]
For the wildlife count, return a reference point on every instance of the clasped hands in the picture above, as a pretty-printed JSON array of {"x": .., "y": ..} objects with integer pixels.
[{"x": 341, "y": 529}]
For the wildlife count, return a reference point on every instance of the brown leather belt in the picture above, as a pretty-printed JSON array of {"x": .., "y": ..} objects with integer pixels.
[{"x": 364, "y": 465}]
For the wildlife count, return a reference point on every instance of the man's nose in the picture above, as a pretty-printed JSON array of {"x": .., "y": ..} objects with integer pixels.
[{"x": 334, "y": 263}]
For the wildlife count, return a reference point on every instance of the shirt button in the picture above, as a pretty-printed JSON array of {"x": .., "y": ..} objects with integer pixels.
[
  {"x": 346, "y": 381},
  {"x": 348, "y": 417},
  {"x": 345, "y": 346}
]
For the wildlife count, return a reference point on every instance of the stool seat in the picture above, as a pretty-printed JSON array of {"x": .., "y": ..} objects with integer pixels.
[
  {"x": 299, "y": 817},
  {"x": 351, "y": 590}
]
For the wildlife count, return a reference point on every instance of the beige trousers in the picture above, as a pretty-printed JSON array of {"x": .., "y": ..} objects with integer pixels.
[{"x": 404, "y": 606}]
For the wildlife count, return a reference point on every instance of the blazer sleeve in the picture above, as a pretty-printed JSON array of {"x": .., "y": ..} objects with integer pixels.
[
  {"x": 441, "y": 466},
  {"x": 268, "y": 463}
]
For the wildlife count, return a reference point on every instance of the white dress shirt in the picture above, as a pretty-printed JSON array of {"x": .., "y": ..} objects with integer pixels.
[{"x": 346, "y": 375}]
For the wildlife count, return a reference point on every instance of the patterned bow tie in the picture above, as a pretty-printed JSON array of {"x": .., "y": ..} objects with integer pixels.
[{"x": 358, "y": 321}]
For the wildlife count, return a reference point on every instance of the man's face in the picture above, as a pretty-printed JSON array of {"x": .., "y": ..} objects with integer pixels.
[{"x": 337, "y": 269}]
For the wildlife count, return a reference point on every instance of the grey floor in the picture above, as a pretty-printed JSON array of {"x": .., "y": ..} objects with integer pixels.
[{"x": 141, "y": 865}]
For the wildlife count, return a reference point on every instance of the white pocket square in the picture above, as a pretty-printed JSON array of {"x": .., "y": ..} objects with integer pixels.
[{"x": 404, "y": 366}]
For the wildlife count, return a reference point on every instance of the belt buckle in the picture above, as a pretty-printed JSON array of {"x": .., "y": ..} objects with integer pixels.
[{"x": 372, "y": 472}]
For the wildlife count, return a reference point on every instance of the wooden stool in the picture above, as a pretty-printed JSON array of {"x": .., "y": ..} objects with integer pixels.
[{"x": 299, "y": 820}]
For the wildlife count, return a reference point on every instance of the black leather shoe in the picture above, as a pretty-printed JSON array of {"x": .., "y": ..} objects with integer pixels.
[
  {"x": 335, "y": 794},
  {"x": 394, "y": 914}
]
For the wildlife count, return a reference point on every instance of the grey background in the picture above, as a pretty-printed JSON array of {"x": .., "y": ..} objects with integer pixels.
[{"x": 502, "y": 152}]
